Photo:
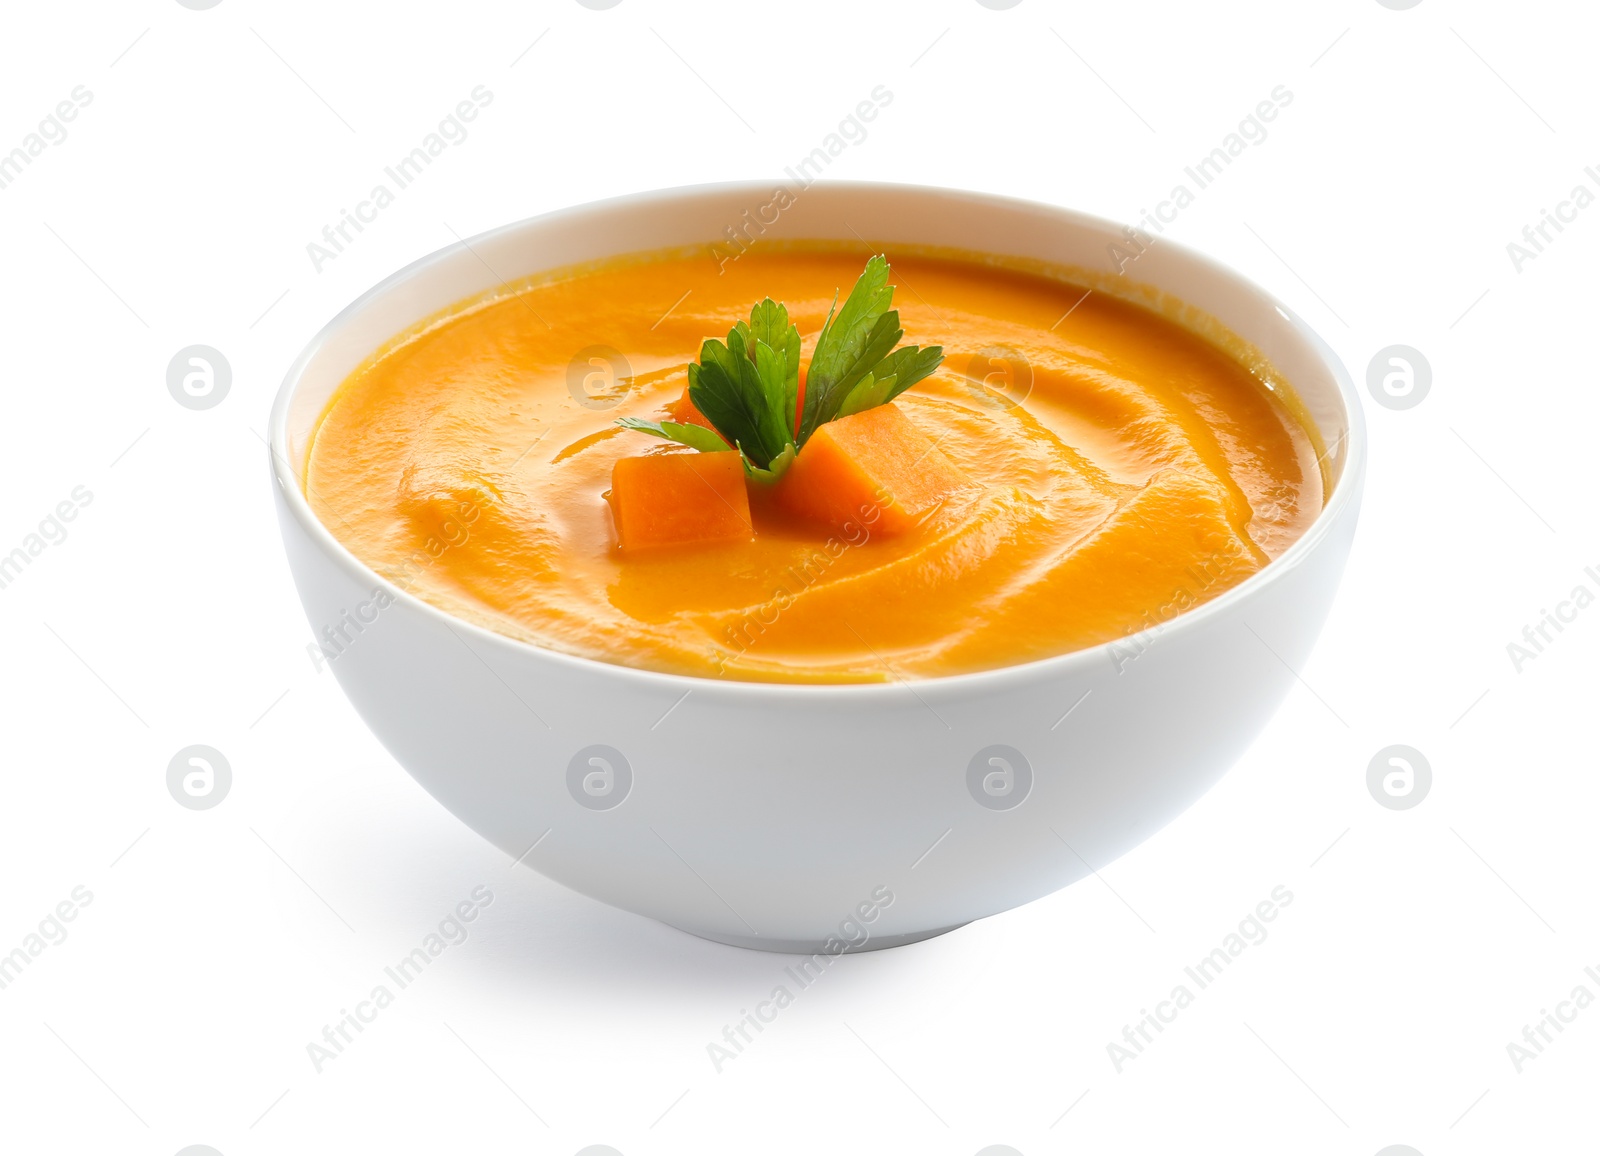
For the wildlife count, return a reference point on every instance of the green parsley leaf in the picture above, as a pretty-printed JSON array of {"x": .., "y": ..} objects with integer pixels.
[
  {"x": 770, "y": 325},
  {"x": 696, "y": 437},
  {"x": 748, "y": 386},
  {"x": 726, "y": 388},
  {"x": 891, "y": 377},
  {"x": 774, "y": 471},
  {"x": 850, "y": 344}
]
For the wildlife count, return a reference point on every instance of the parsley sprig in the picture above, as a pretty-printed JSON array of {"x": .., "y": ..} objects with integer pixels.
[{"x": 748, "y": 386}]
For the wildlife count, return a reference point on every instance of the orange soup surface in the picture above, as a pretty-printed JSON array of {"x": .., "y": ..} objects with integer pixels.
[{"x": 1124, "y": 469}]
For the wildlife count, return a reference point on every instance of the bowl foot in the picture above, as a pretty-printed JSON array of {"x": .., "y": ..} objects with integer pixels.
[{"x": 814, "y": 946}]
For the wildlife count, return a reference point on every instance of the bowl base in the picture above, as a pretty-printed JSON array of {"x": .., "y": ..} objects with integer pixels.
[{"x": 814, "y": 946}]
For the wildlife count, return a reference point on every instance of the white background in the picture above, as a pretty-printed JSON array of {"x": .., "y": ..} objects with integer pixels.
[{"x": 219, "y": 943}]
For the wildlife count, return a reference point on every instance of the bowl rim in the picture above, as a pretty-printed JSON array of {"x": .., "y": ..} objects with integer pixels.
[{"x": 1346, "y": 491}]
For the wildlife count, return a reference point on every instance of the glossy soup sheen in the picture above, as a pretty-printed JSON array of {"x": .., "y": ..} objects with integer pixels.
[{"x": 1127, "y": 470}]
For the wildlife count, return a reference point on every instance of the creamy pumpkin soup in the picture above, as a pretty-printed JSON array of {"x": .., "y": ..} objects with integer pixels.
[{"x": 793, "y": 468}]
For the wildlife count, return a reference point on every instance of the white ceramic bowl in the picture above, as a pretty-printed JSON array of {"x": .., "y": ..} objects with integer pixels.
[{"x": 795, "y": 817}]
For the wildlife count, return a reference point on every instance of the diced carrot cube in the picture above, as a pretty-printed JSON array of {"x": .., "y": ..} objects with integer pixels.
[
  {"x": 670, "y": 499},
  {"x": 874, "y": 469},
  {"x": 683, "y": 411}
]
